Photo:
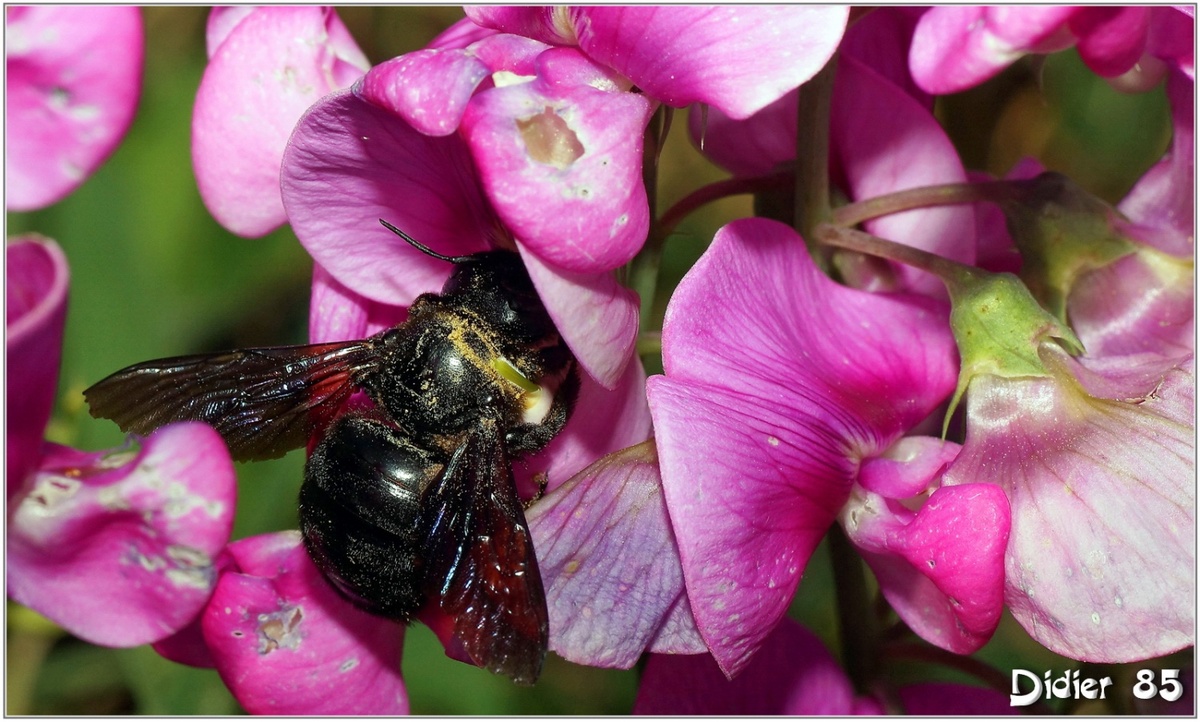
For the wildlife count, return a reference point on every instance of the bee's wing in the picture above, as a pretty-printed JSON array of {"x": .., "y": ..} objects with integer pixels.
[
  {"x": 262, "y": 401},
  {"x": 479, "y": 559}
]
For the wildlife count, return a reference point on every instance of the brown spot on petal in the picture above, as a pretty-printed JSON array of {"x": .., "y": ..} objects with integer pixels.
[
  {"x": 548, "y": 139},
  {"x": 279, "y": 629}
]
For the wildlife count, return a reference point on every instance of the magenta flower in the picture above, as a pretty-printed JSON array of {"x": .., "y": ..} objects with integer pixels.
[
  {"x": 74, "y": 77},
  {"x": 780, "y": 412},
  {"x": 793, "y": 674},
  {"x": 285, "y": 642},
  {"x": 955, "y": 48},
  {"x": 266, "y": 66},
  {"x": 350, "y": 163},
  {"x": 117, "y": 547}
]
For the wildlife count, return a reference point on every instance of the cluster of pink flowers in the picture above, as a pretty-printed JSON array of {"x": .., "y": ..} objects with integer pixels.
[{"x": 683, "y": 509}]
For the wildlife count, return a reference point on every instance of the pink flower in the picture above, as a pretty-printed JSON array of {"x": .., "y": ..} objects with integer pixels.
[
  {"x": 955, "y": 48},
  {"x": 285, "y": 642},
  {"x": 1097, "y": 454},
  {"x": 74, "y": 76},
  {"x": 350, "y": 163},
  {"x": 117, "y": 547},
  {"x": 783, "y": 395},
  {"x": 266, "y": 66}
]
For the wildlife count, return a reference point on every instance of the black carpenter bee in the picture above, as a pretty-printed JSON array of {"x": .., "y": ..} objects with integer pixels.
[{"x": 412, "y": 500}]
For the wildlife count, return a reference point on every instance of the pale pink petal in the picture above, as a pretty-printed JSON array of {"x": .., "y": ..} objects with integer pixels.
[
  {"x": 562, "y": 164},
  {"x": 609, "y": 563},
  {"x": 338, "y": 314},
  {"x": 350, "y": 164},
  {"x": 36, "y": 280},
  {"x": 958, "y": 47},
  {"x": 285, "y": 643},
  {"x": 596, "y": 315},
  {"x": 221, "y": 21},
  {"x": 461, "y": 34},
  {"x": 117, "y": 547},
  {"x": 1100, "y": 565},
  {"x": 1165, "y": 197},
  {"x": 74, "y": 74},
  {"x": 271, "y": 67},
  {"x": 942, "y": 568},
  {"x": 737, "y": 58},
  {"x": 793, "y": 674}
]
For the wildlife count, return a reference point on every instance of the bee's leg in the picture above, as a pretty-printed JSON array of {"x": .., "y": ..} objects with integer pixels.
[
  {"x": 526, "y": 438},
  {"x": 543, "y": 481}
]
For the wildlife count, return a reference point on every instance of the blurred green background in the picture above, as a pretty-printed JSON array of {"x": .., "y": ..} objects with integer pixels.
[{"x": 153, "y": 275}]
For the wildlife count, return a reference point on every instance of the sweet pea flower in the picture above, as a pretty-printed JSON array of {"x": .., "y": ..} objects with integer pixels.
[
  {"x": 1100, "y": 467},
  {"x": 74, "y": 75},
  {"x": 955, "y": 48},
  {"x": 794, "y": 674},
  {"x": 285, "y": 642},
  {"x": 266, "y": 66},
  {"x": 350, "y": 163},
  {"x": 116, "y": 547},
  {"x": 783, "y": 406}
]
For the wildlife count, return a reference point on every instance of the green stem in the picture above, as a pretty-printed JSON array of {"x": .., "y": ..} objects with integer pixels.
[
  {"x": 923, "y": 197},
  {"x": 952, "y": 273},
  {"x": 812, "y": 153},
  {"x": 857, "y": 625},
  {"x": 643, "y": 269}
]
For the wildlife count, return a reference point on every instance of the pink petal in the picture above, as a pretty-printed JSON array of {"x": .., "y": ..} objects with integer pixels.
[
  {"x": 769, "y": 404},
  {"x": 884, "y": 141},
  {"x": 958, "y": 47},
  {"x": 338, "y": 314},
  {"x": 1100, "y": 565},
  {"x": 1111, "y": 39},
  {"x": 269, "y": 69},
  {"x": 1165, "y": 197},
  {"x": 73, "y": 81},
  {"x": 738, "y": 59},
  {"x": 609, "y": 562},
  {"x": 941, "y": 569},
  {"x": 596, "y": 315},
  {"x": 428, "y": 88},
  {"x": 117, "y": 547},
  {"x": 907, "y": 467},
  {"x": 562, "y": 164},
  {"x": 351, "y": 163},
  {"x": 36, "y": 280},
  {"x": 546, "y": 24},
  {"x": 793, "y": 674},
  {"x": 461, "y": 34},
  {"x": 881, "y": 39},
  {"x": 286, "y": 643}
]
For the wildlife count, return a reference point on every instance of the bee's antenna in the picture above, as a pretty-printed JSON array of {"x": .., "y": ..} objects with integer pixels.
[{"x": 421, "y": 246}]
